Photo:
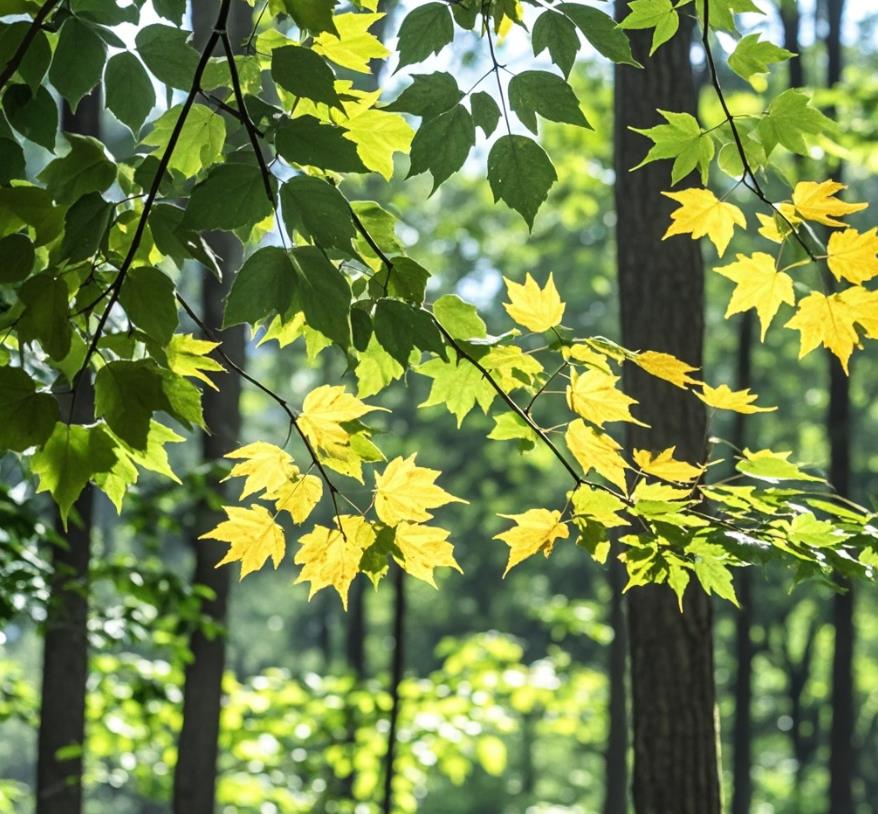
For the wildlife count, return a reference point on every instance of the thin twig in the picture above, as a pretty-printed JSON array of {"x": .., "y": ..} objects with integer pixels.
[
  {"x": 496, "y": 69},
  {"x": 276, "y": 397},
  {"x": 164, "y": 162},
  {"x": 748, "y": 177},
  {"x": 244, "y": 117}
]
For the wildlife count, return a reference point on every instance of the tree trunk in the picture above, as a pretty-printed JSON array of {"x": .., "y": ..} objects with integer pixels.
[
  {"x": 841, "y": 740},
  {"x": 661, "y": 292},
  {"x": 196, "y": 769},
  {"x": 789, "y": 15},
  {"x": 65, "y": 645},
  {"x": 616, "y": 778},
  {"x": 742, "y": 785}
]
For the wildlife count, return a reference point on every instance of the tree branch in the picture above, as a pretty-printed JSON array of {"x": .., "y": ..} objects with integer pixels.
[
  {"x": 748, "y": 178},
  {"x": 218, "y": 31},
  {"x": 15, "y": 60},
  {"x": 277, "y": 398}
]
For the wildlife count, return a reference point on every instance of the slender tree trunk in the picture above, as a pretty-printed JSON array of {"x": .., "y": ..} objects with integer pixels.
[
  {"x": 662, "y": 303},
  {"x": 196, "y": 770},
  {"x": 841, "y": 740},
  {"x": 397, "y": 669},
  {"x": 616, "y": 779},
  {"x": 742, "y": 788},
  {"x": 790, "y": 17},
  {"x": 65, "y": 645}
]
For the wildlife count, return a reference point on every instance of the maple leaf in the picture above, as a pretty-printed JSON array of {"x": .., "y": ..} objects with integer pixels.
[
  {"x": 827, "y": 321},
  {"x": 537, "y": 309},
  {"x": 511, "y": 366},
  {"x": 864, "y": 304},
  {"x": 724, "y": 398},
  {"x": 853, "y": 255},
  {"x": 598, "y": 451},
  {"x": 324, "y": 411},
  {"x": 298, "y": 496},
  {"x": 665, "y": 366},
  {"x": 534, "y": 530},
  {"x": 759, "y": 285},
  {"x": 424, "y": 548},
  {"x": 405, "y": 491},
  {"x": 817, "y": 202},
  {"x": 265, "y": 467},
  {"x": 252, "y": 535},
  {"x": 768, "y": 228},
  {"x": 188, "y": 356},
  {"x": 595, "y": 397},
  {"x": 665, "y": 466},
  {"x": 330, "y": 557},
  {"x": 586, "y": 355},
  {"x": 702, "y": 213},
  {"x": 598, "y": 505}
]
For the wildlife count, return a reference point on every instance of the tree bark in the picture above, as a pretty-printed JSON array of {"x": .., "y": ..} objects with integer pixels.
[
  {"x": 616, "y": 778},
  {"x": 662, "y": 303},
  {"x": 842, "y": 757},
  {"x": 195, "y": 774},
  {"x": 65, "y": 644},
  {"x": 742, "y": 738}
]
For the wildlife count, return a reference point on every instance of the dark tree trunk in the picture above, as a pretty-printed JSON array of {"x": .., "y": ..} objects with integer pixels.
[
  {"x": 397, "y": 668},
  {"x": 616, "y": 779},
  {"x": 65, "y": 646},
  {"x": 790, "y": 17},
  {"x": 842, "y": 758},
  {"x": 196, "y": 770},
  {"x": 662, "y": 303},
  {"x": 356, "y": 630},
  {"x": 742, "y": 737}
]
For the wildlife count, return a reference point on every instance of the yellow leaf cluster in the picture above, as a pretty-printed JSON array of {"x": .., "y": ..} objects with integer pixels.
[
  {"x": 759, "y": 285},
  {"x": 406, "y": 492},
  {"x": 701, "y": 213},
  {"x": 537, "y": 309},
  {"x": 325, "y": 413},
  {"x": 534, "y": 530},
  {"x": 665, "y": 466}
]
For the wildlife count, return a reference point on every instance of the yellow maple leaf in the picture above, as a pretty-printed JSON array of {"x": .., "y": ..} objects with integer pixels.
[
  {"x": 252, "y": 535},
  {"x": 864, "y": 304},
  {"x": 768, "y": 228},
  {"x": 354, "y": 47},
  {"x": 817, "y": 202},
  {"x": 759, "y": 285},
  {"x": 324, "y": 411},
  {"x": 511, "y": 366},
  {"x": 265, "y": 467},
  {"x": 853, "y": 255},
  {"x": 598, "y": 505},
  {"x": 537, "y": 309},
  {"x": 702, "y": 213},
  {"x": 423, "y": 549},
  {"x": 534, "y": 530},
  {"x": 188, "y": 356},
  {"x": 595, "y": 397},
  {"x": 586, "y": 355},
  {"x": 598, "y": 451},
  {"x": 724, "y": 398},
  {"x": 330, "y": 557},
  {"x": 405, "y": 491},
  {"x": 665, "y": 466},
  {"x": 298, "y": 496},
  {"x": 665, "y": 366},
  {"x": 827, "y": 321}
]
